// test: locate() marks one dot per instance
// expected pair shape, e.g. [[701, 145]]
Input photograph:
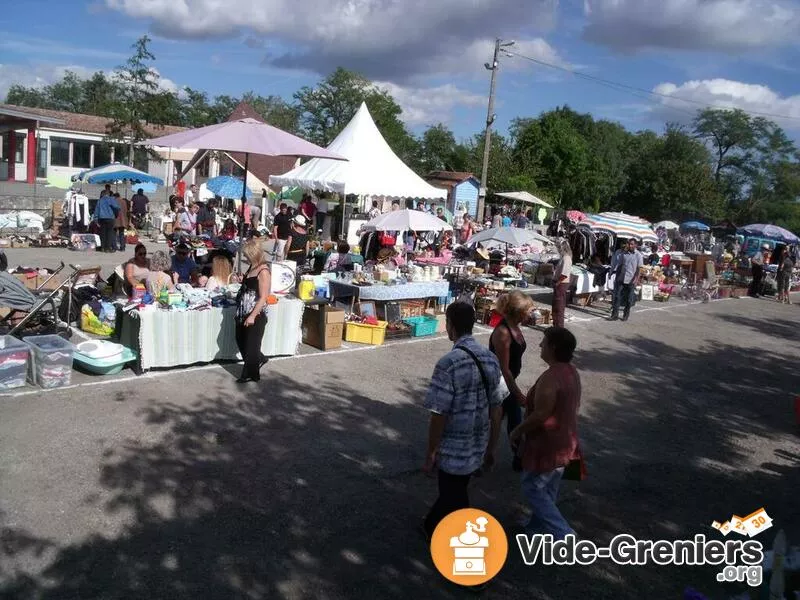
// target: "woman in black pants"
[[251, 311], [508, 344]]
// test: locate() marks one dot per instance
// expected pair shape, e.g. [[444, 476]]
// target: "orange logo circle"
[[469, 547]]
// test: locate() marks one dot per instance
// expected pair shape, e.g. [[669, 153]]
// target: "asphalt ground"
[[181, 484]]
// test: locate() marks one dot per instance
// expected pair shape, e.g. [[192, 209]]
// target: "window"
[[82, 154], [59, 152], [228, 167], [102, 154], [20, 157], [41, 158]]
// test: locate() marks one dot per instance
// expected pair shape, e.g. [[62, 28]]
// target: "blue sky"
[[430, 56]]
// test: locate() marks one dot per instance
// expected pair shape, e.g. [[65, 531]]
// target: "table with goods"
[[408, 302], [195, 325]]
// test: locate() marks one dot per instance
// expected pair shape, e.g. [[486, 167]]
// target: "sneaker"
[[613, 318]]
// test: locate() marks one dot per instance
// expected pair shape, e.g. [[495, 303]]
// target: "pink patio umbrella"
[[243, 135]]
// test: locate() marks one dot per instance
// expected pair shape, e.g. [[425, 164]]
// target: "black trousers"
[[758, 275], [248, 339], [107, 234], [453, 496]]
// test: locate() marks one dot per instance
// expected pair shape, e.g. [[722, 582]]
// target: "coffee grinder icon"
[[469, 549]]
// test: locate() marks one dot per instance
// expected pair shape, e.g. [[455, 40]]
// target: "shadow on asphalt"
[[224, 506]]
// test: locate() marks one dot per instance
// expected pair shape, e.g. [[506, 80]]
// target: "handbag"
[[576, 468]]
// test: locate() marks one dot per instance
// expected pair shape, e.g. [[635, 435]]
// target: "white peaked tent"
[[371, 167]]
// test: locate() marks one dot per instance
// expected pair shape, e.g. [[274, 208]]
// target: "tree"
[[439, 151], [754, 162], [138, 83], [671, 177], [326, 109]]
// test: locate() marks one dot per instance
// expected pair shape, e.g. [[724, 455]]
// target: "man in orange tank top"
[[549, 433]]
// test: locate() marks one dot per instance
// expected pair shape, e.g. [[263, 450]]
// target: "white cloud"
[[392, 40], [430, 105], [725, 93], [724, 25]]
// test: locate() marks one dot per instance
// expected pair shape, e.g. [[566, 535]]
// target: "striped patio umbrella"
[[621, 225]]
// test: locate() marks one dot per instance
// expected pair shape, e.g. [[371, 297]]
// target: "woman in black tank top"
[[508, 344]]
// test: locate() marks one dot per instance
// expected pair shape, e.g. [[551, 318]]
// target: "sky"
[[674, 56]]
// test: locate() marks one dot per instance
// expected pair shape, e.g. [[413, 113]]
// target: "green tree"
[[100, 95], [327, 108], [671, 177], [439, 151], [20, 95], [138, 83]]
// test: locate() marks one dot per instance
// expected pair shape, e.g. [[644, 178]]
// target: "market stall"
[[177, 337]]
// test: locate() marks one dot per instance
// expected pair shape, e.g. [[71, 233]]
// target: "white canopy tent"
[[525, 197], [371, 167]]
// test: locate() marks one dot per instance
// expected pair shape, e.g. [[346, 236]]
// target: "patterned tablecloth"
[[387, 293], [165, 338]]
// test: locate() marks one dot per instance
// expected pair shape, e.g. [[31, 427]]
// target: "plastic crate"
[[14, 357], [361, 333], [412, 308], [51, 360], [421, 326]]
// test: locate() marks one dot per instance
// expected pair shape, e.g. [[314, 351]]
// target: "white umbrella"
[[407, 220], [513, 236], [525, 197], [668, 225], [621, 225]]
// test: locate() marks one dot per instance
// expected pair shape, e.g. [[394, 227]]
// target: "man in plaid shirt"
[[466, 411]]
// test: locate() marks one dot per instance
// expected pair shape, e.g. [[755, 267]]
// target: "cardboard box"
[[323, 327]]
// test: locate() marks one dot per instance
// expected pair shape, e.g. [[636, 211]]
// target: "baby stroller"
[[36, 311]]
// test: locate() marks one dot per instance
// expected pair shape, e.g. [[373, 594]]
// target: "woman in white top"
[[561, 281], [221, 270]]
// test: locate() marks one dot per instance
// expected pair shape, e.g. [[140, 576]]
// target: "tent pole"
[[342, 203], [241, 221]]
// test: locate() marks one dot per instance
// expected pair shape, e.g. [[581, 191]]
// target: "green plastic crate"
[[422, 326]]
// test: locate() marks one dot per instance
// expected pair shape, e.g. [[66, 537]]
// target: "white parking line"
[[346, 348]]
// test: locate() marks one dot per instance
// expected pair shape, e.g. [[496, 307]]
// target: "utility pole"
[[490, 116]]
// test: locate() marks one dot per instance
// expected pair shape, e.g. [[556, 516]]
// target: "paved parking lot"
[[181, 484]]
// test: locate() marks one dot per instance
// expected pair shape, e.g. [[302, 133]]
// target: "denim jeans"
[[541, 492], [624, 296]]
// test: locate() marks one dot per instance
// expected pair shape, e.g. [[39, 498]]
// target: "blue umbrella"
[[772, 232], [115, 173], [695, 225], [226, 186]]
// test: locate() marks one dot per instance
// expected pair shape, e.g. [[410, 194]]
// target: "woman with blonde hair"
[[221, 270], [508, 344], [251, 311], [561, 282]]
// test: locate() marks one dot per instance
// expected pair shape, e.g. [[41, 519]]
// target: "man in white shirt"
[[191, 195], [626, 265], [757, 266]]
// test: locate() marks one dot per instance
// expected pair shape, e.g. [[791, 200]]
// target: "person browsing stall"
[[549, 434], [122, 222], [182, 265], [339, 259], [106, 213], [251, 311], [561, 282], [187, 220], [281, 229], [626, 264], [297, 245], [508, 344], [465, 414]]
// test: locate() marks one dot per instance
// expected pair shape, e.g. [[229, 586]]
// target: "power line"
[[629, 88]]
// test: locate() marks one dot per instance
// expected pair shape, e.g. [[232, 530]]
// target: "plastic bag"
[[91, 324]]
